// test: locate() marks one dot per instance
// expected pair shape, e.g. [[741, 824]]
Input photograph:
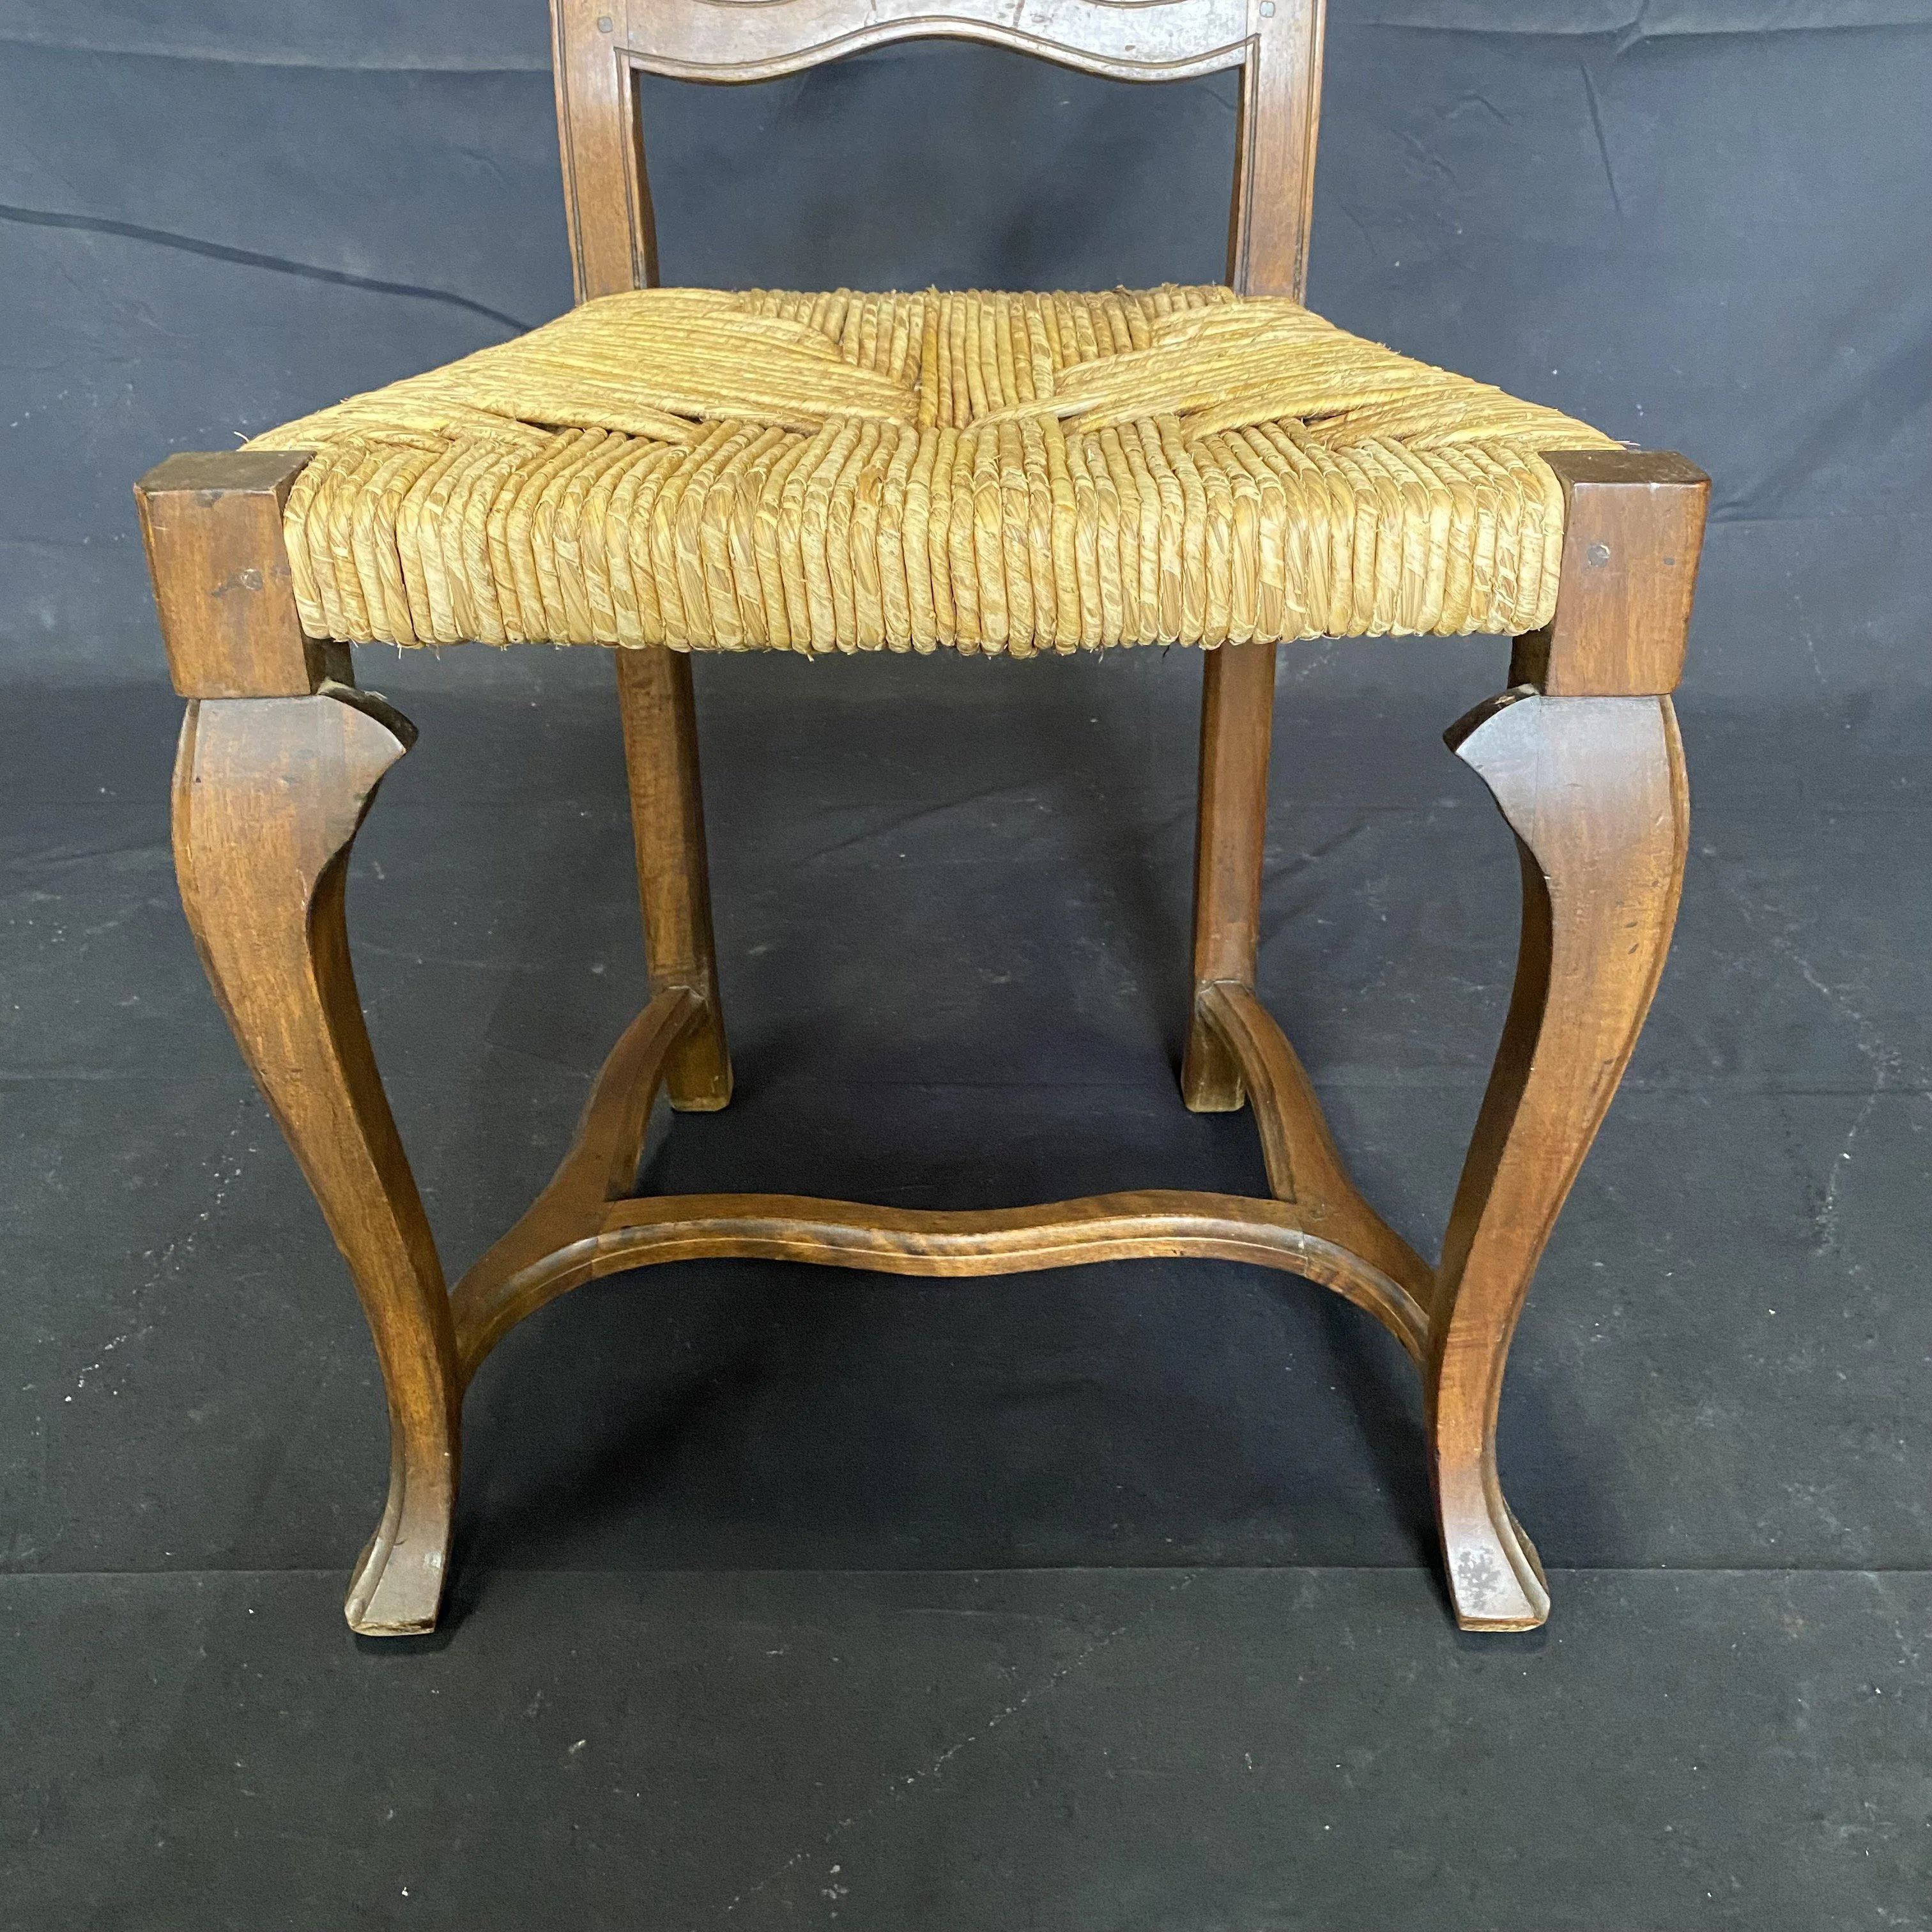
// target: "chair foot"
[[1210, 1081], [397, 1588], [711, 1098], [1495, 1576]]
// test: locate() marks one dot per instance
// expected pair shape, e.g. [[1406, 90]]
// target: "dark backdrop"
[[951, 907], [1700, 224]]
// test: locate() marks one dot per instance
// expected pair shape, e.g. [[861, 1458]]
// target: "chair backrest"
[[602, 46]]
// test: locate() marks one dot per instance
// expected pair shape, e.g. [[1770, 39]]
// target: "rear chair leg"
[[674, 881], [278, 762], [1582, 756], [1231, 833]]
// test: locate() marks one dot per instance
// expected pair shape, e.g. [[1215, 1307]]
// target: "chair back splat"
[[602, 46]]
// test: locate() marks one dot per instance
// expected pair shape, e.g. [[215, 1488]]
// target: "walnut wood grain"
[[1274, 150], [1170, 1223], [1595, 790], [1067, 1234], [212, 524], [1583, 756], [613, 233], [520, 1272], [1304, 1166], [1230, 833], [581, 1226], [674, 875], [600, 46], [729, 40], [1632, 531], [268, 793]]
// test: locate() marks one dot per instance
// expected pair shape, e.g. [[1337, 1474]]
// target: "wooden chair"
[[280, 755]]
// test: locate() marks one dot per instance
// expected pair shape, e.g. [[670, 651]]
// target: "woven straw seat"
[[993, 473]]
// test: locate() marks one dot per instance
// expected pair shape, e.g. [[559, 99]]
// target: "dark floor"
[[1102, 1601]]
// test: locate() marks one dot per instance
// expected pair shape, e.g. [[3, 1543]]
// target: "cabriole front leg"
[[1594, 789], [268, 793], [1582, 754]]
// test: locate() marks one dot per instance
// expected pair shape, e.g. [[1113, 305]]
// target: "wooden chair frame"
[[280, 756]]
